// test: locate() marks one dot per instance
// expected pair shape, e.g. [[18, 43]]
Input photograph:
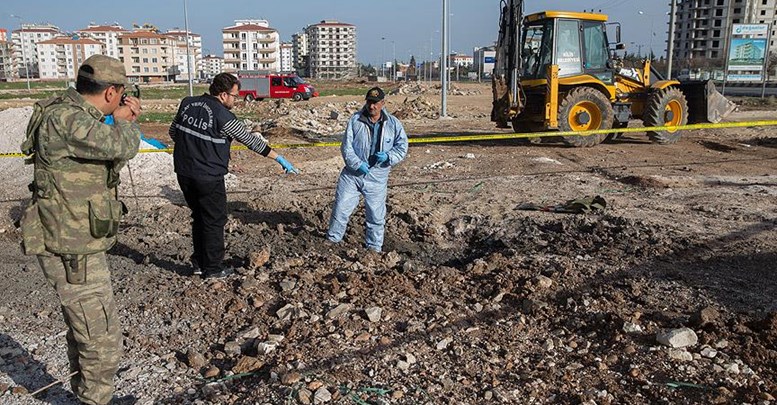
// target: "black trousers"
[[208, 201]]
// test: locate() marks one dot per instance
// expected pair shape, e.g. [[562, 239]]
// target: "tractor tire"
[[248, 98], [584, 109], [524, 127], [297, 97], [666, 107]]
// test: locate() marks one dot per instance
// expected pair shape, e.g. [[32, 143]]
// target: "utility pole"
[[444, 61], [670, 45], [188, 52]]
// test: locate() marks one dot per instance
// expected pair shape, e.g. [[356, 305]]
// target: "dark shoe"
[[196, 270], [224, 272], [124, 400]]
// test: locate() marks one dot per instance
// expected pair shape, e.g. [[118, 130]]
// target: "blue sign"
[[490, 59]]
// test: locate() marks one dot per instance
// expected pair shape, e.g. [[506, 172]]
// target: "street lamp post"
[[444, 61], [188, 52], [394, 61], [21, 45], [382, 56], [650, 49]]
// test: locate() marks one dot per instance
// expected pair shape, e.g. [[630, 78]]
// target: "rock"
[[288, 285], [709, 352], [251, 333], [705, 316], [680, 354], [339, 311], [767, 396], [211, 372], [443, 344], [732, 368], [373, 313], [232, 348], [333, 115], [397, 395], [315, 384], [543, 282], [265, 347], [289, 311], [247, 364], [258, 259], [195, 359], [19, 390], [290, 378], [322, 395], [304, 396], [210, 390], [403, 365], [631, 328], [677, 338]]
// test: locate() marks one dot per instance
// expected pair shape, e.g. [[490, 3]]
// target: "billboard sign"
[[750, 29], [747, 54]]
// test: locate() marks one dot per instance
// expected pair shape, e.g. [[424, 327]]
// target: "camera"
[[135, 93]]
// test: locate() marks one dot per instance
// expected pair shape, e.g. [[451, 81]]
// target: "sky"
[[384, 29]]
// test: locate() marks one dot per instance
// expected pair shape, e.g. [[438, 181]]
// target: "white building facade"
[[210, 66], [300, 52], [332, 47], [60, 57], [251, 45], [180, 53], [25, 42], [108, 35], [286, 52]]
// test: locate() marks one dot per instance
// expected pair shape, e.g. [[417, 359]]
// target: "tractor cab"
[[575, 42]]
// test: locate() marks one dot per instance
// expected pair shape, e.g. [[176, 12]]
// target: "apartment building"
[[286, 58], [108, 35], [459, 60], [60, 57], [180, 53], [332, 47], [300, 52], [703, 27], [251, 45], [7, 68], [210, 66], [148, 56], [483, 59], [25, 42]]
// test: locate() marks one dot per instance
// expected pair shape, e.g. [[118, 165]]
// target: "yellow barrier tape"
[[494, 137]]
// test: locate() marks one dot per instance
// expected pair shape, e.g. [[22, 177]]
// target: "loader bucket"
[[705, 103]]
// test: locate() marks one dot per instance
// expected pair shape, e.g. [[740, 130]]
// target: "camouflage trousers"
[[94, 344]]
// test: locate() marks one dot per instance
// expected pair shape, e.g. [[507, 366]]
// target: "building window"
[[145, 69]]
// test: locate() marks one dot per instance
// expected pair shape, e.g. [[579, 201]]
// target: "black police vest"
[[200, 149]]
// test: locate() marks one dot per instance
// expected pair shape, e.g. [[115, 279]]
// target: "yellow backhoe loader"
[[556, 70]]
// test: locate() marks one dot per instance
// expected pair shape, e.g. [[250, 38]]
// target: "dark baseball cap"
[[375, 94], [103, 69]]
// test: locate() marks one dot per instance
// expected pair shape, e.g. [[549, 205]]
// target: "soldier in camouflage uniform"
[[74, 214]]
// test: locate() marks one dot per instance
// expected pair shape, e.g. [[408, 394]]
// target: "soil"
[[473, 300]]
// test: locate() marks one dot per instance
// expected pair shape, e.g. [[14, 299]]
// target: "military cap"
[[103, 69], [375, 94]]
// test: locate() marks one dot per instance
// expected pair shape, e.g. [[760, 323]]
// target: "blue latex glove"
[[363, 169], [380, 158], [287, 167], [109, 119]]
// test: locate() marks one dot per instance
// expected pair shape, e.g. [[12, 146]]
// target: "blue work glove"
[[381, 157], [287, 167], [363, 169]]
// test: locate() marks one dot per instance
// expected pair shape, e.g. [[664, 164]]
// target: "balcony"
[[231, 40], [266, 60], [269, 49], [266, 39]]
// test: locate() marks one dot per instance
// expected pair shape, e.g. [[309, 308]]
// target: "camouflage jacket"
[[77, 159]]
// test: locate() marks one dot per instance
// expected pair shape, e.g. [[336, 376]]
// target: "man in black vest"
[[203, 130]]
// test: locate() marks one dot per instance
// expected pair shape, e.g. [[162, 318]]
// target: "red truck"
[[258, 85]]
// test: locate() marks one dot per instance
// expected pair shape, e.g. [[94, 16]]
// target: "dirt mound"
[[419, 107]]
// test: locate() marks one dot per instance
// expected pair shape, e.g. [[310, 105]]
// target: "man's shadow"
[[18, 364]]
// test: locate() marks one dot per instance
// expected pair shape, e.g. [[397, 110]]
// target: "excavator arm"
[[505, 81]]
